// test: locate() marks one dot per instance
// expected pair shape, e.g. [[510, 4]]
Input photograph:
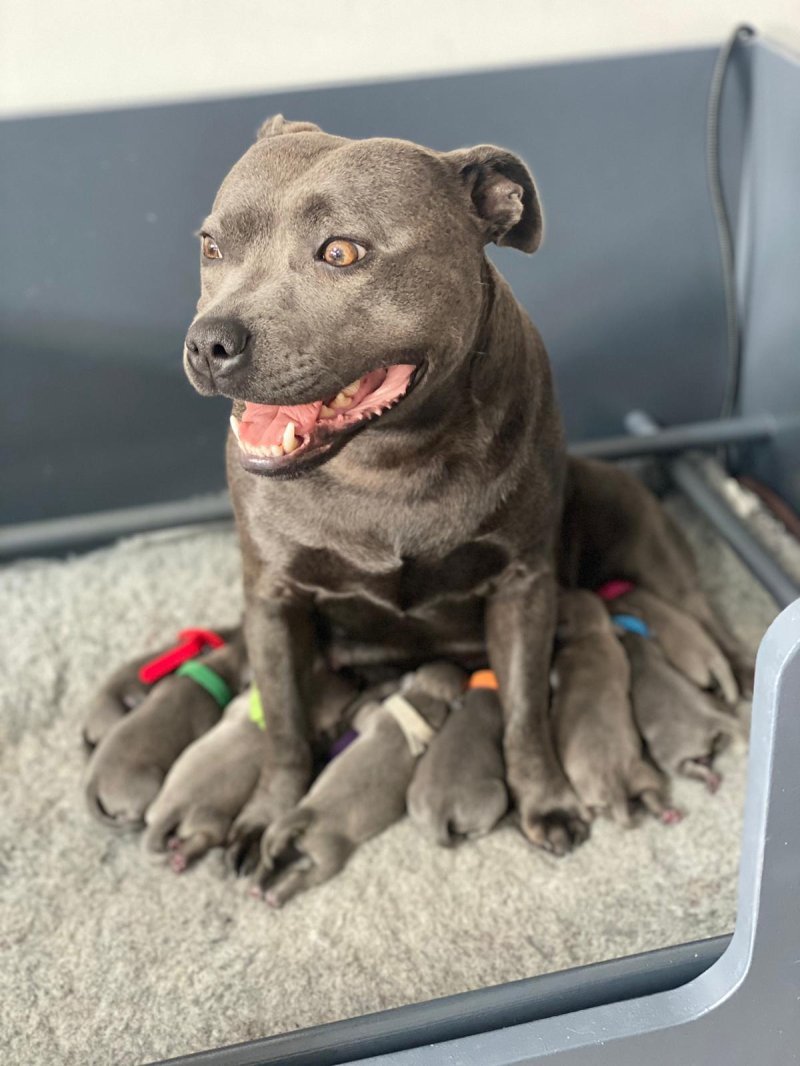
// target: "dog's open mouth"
[[282, 439]]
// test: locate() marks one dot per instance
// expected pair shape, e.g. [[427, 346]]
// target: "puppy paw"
[[245, 854], [297, 878], [120, 799], [243, 851], [616, 788], [458, 813]]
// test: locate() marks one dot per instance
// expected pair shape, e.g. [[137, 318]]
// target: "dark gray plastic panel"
[[770, 277], [100, 265]]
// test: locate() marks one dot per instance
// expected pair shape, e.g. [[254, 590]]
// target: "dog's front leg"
[[280, 643], [520, 626]]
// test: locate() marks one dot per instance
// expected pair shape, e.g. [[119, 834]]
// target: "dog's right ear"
[[277, 124]]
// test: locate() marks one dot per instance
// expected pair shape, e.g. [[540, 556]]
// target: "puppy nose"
[[217, 340]]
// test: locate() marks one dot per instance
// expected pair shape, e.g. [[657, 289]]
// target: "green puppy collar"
[[208, 679], [257, 708]]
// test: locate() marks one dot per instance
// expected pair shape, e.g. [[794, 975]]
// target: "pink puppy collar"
[[612, 590]]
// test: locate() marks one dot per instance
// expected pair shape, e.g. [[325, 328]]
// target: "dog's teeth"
[[290, 441], [341, 400], [352, 388], [326, 412], [235, 426], [275, 451]]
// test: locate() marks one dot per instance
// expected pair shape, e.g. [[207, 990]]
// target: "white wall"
[[75, 54]]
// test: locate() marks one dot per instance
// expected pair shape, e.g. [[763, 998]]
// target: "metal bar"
[[687, 476], [88, 530], [678, 438], [55, 535], [470, 1013]]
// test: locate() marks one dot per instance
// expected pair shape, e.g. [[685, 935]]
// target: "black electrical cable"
[[743, 32]]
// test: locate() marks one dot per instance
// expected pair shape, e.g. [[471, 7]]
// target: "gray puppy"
[[128, 767], [596, 736], [121, 692], [362, 791], [213, 778], [685, 643], [458, 789], [206, 788], [683, 727]]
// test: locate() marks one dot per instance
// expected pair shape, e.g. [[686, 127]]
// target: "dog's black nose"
[[218, 342]]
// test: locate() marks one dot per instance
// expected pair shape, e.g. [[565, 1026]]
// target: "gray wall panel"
[[770, 246]]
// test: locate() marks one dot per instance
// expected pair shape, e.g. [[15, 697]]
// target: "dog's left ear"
[[503, 195], [277, 124]]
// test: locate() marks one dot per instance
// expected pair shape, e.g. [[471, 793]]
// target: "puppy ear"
[[277, 124], [503, 195]]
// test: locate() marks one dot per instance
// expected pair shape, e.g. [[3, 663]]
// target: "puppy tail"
[[159, 829]]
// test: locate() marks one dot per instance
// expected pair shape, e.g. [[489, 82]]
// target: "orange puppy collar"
[[483, 679]]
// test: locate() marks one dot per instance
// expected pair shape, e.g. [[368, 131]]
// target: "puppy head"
[[440, 680], [581, 614], [343, 283]]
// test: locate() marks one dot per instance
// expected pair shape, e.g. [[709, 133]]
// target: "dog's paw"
[[554, 820]]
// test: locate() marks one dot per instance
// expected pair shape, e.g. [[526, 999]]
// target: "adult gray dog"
[[396, 459]]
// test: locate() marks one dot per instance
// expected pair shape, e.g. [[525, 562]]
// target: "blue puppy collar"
[[631, 624]]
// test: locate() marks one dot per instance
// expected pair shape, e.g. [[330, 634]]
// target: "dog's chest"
[[414, 587]]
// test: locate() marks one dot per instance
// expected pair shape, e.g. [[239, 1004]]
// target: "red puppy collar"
[[612, 590], [190, 643]]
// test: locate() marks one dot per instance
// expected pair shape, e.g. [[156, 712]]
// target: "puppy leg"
[[649, 788], [325, 856], [699, 769], [484, 810], [120, 799], [160, 829], [201, 830]]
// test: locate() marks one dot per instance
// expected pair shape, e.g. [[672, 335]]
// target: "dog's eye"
[[340, 252], [210, 247]]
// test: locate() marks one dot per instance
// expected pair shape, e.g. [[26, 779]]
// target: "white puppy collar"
[[415, 729]]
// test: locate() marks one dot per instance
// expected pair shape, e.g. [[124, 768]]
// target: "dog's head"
[[343, 280]]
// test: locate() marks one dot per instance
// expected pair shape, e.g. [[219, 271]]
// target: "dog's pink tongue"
[[263, 424]]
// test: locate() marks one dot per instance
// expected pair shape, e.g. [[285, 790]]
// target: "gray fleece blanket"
[[106, 959]]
